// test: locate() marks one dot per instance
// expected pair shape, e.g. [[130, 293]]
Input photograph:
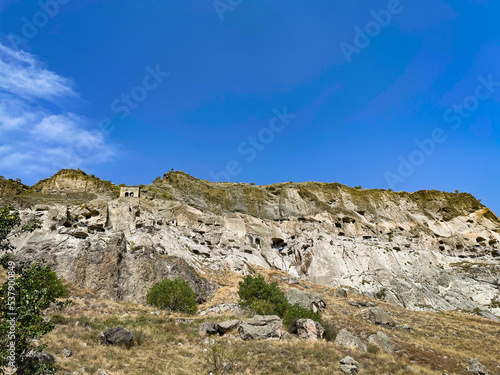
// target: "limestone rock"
[[477, 368], [228, 326], [208, 328], [116, 336], [382, 341], [348, 339], [379, 316], [308, 329], [349, 366], [307, 300], [261, 327]]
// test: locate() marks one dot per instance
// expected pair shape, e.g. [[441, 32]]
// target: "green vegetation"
[[174, 295], [381, 294], [30, 289], [263, 298], [268, 299], [359, 187]]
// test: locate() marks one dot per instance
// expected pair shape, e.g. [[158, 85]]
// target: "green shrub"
[[381, 294], [253, 289], [174, 295], [296, 311]]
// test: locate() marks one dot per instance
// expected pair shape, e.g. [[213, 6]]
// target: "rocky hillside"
[[427, 250]]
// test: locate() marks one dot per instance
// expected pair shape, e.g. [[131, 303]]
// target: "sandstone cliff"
[[424, 250]]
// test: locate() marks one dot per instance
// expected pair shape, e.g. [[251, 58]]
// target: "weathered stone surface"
[[382, 341], [341, 293], [308, 329], [228, 326], [208, 328], [67, 352], [307, 300], [350, 340], [321, 233], [361, 303], [261, 327], [116, 336], [378, 315], [477, 368], [349, 366]]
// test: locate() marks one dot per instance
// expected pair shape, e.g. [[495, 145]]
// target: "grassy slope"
[[438, 342]]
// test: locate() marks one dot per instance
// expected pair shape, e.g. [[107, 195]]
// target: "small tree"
[[30, 289], [174, 295], [262, 297]]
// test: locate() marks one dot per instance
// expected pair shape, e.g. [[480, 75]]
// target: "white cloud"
[[36, 139]]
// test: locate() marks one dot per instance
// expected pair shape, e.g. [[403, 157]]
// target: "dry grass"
[[438, 342]]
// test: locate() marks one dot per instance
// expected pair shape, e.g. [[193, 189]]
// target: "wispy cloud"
[[37, 134]]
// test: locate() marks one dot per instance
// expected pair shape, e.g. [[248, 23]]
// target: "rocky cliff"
[[425, 250]]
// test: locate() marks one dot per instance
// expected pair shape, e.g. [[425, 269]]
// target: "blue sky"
[[386, 94]]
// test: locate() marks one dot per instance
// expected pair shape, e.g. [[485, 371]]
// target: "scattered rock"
[[261, 327], [45, 357], [101, 372], [308, 329], [228, 326], [116, 336], [307, 300], [477, 368], [348, 339], [379, 316], [341, 293], [67, 352], [382, 341], [209, 341], [208, 328], [349, 366], [404, 327], [361, 303]]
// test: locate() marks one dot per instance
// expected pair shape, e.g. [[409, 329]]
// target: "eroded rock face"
[[426, 250]]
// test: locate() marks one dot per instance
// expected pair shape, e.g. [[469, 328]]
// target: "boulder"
[[261, 327], [382, 341], [379, 316], [228, 326], [208, 328], [341, 293], [349, 366], [349, 340], [308, 329], [67, 352], [307, 300], [360, 304], [116, 336], [477, 368]]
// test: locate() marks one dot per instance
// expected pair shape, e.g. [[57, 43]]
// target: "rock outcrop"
[[427, 250], [261, 327]]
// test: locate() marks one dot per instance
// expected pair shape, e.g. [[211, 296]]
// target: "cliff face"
[[423, 250]]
